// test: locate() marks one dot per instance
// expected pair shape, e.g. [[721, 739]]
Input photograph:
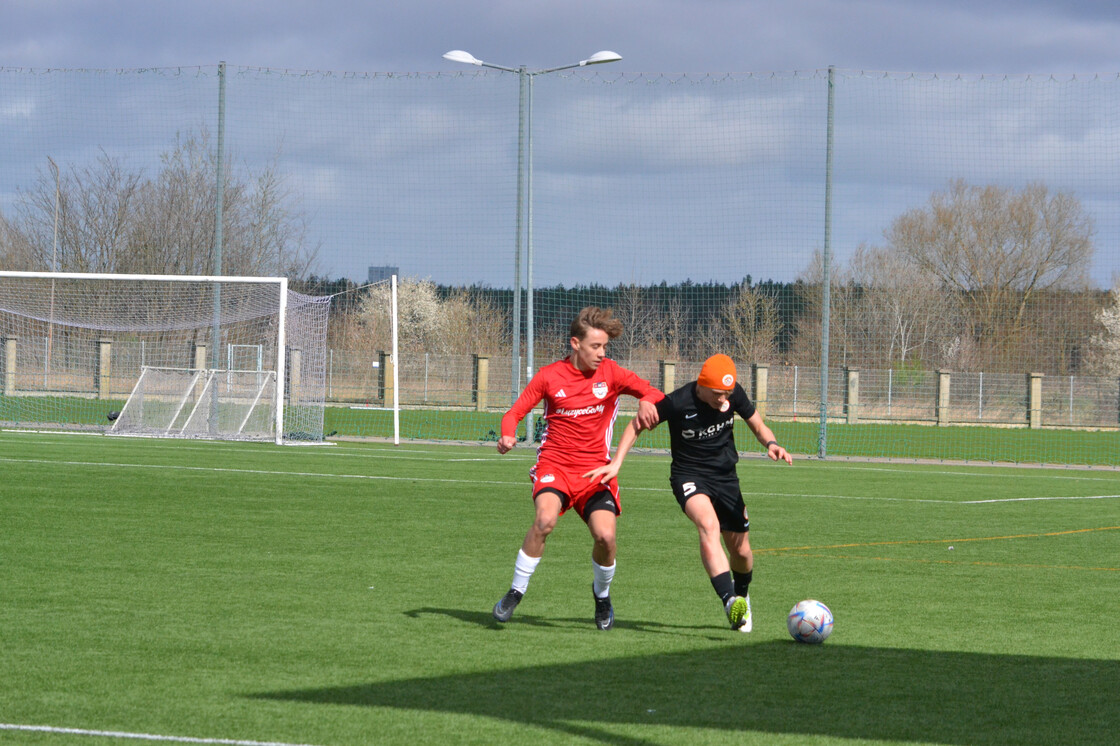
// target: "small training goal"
[[202, 403]]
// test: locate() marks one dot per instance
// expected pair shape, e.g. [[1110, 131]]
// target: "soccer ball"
[[809, 621]]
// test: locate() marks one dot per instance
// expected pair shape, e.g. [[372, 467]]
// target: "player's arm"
[[607, 472], [642, 390], [766, 437], [529, 398], [647, 414]]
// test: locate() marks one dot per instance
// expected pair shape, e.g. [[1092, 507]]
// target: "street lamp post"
[[525, 205]]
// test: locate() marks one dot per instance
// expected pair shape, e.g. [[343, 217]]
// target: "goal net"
[[216, 357], [222, 404]]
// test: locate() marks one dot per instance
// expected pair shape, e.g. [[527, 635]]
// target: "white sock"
[[603, 578], [523, 570]]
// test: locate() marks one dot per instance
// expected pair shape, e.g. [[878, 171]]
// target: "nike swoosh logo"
[[690, 416]]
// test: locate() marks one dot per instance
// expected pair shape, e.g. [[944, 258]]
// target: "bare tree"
[[16, 252], [670, 343], [175, 230], [996, 249], [640, 322], [806, 347], [475, 324], [116, 219], [96, 207], [273, 230], [1058, 329], [746, 328], [903, 314], [1105, 345]]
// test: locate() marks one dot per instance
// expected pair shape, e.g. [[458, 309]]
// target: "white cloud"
[[660, 161], [1011, 36]]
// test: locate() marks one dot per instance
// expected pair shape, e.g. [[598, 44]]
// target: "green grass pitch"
[[341, 595]]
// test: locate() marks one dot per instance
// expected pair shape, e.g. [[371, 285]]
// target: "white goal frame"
[[280, 370]]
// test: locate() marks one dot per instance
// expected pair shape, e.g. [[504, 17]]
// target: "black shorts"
[[724, 494]]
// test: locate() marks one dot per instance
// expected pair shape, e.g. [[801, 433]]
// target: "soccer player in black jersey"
[[701, 416]]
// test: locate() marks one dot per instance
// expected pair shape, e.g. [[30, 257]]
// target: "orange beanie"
[[718, 373]]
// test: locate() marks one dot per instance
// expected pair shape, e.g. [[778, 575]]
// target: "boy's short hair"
[[593, 317]]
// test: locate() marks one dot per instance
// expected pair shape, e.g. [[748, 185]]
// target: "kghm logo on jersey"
[[599, 388], [707, 432]]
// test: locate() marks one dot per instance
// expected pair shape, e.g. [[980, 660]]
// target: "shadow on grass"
[[486, 619], [778, 687]]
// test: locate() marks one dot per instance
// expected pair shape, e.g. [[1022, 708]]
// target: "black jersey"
[[702, 438]]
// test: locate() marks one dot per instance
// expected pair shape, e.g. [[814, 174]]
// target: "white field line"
[[139, 736], [395, 455], [342, 449], [268, 472], [519, 482], [50, 432], [933, 500], [856, 497], [1029, 499], [981, 471], [339, 451]]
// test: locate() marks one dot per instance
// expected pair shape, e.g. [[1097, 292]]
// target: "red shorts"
[[574, 489]]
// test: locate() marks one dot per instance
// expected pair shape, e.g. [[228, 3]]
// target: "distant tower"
[[378, 274]]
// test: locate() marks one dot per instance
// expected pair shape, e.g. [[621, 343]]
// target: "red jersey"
[[580, 408]]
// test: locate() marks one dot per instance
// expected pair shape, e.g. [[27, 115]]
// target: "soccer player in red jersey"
[[580, 394]]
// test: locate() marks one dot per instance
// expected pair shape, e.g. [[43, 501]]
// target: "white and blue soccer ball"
[[809, 621]]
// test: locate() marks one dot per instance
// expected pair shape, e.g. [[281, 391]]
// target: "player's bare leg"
[[739, 545], [700, 511], [603, 525], [548, 506]]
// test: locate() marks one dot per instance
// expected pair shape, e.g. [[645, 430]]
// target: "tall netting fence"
[[966, 229]]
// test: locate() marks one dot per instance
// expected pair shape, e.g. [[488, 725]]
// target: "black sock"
[[742, 582], [723, 586]]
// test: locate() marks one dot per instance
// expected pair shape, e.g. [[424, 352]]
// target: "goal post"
[[75, 347]]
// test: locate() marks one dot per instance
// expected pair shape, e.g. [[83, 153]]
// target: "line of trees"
[[897, 325], [979, 278]]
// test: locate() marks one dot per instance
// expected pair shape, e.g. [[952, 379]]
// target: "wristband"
[[771, 443]]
